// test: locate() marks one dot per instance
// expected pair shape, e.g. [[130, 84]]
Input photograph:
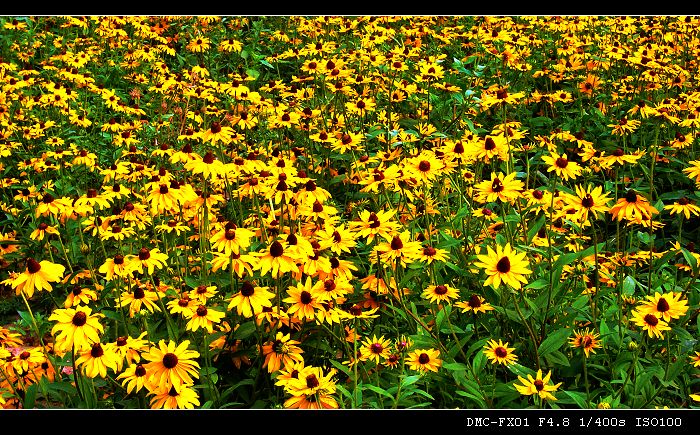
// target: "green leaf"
[[692, 262], [478, 363], [409, 380], [378, 390], [557, 358], [30, 396], [554, 341], [245, 330], [342, 367], [455, 367], [578, 398]]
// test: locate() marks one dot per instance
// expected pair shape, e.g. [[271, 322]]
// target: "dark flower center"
[[587, 201], [305, 297], [587, 341], [97, 350], [373, 220], [201, 311], [424, 166], [276, 249], [215, 127], [170, 360], [230, 234], [538, 194], [139, 293], [33, 266], [144, 254], [79, 318], [121, 341], [440, 289], [396, 243], [631, 196], [429, 251], [662, 305], [501, 352], [561, 162], [140, 370], [247, 289], [474, 301], [208, 158], [376, 348], [423, 358], [503, 265], [651, 320], [497, 185], [489, 144], [312, 381], [539, 385]]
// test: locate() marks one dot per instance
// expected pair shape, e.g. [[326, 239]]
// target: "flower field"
[[385, 212]]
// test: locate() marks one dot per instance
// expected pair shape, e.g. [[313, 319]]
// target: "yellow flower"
[[77, 328], [504, 265], [37, 276], [499, 352], [424, 360], [537, 385]]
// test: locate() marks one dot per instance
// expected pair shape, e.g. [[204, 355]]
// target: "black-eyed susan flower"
[[499, 352], [695, 359], [430, 254], [171, 364], [486, 149], [140, 299], [202, 293], [42, 230], [475, 304], [683, 206], [203, 317], [654, 326], [424, 360], [632, 207], [251, 299], [75, 328], [371, 224], [79, 295], [96, 360], [274, 260], [666, 306], [589, 202], [587, 340], [537, 385], [400, 249], [134, 378], [562, 166], [26, 359], [440, 293], [375, 349], [312, 389], [500, 187], [281, 352], [504, 265], [37, 276], [115, 266], [128, 349], [176, 396], [147, 260], [208, 166], [231, 239], [303, 300]]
